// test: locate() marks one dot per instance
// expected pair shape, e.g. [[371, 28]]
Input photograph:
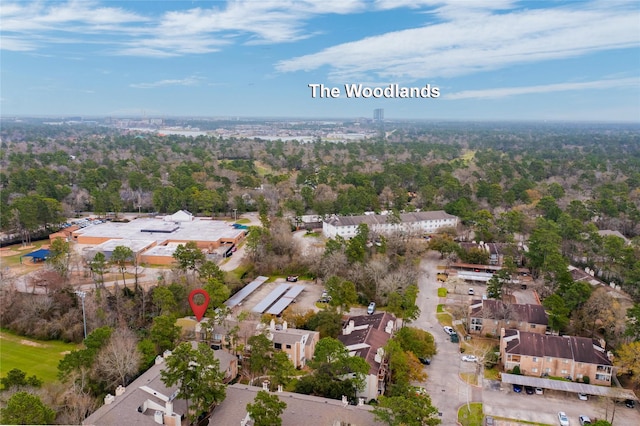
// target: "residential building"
[[418, 223], [301, 409], [543, 355], [147, 401], [365, 336], [299, 345], [488, 317]]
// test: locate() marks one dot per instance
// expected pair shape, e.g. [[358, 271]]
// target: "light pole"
[[235, 214], [82, 295]]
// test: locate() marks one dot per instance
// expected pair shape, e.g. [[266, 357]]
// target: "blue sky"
[[491, 59]]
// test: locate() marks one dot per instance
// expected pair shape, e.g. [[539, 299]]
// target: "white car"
[[563, 419], [449, 330], [469, 358], [584, 420], [583, 397]]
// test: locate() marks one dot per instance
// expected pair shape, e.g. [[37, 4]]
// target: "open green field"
[[37, 357]]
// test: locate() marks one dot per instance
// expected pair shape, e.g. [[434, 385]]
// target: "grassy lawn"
[[471, 415], [440, 308], [491, 373], [470, 378], [37, 357], [17, 250], [444, 319], [442, 292]]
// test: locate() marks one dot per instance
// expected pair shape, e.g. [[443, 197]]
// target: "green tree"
[[415, 340], [403, 303], [409, 410], [98, 267], [24, 408], [343, 293], [164, 300], [189, 257], [261, 352], [197, 373], [59, 256], [266, 409], [18, 378], [164, 332], [558, 312], [633, 322], [120, 256]]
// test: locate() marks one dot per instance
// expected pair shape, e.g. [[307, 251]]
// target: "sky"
[[488, 59]]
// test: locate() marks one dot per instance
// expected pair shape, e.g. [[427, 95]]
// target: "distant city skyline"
[[418, 59]]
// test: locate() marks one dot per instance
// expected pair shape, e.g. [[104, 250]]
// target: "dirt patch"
[[30, 343]]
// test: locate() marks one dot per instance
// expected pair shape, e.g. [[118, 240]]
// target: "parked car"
[[454, 338], [539, 391], [584, 420], [471, 291], [292, 278], [563, 419], [529, 390], [425, 360], [630, 403], [469, 358], [372, 308], [448, 330], [517, 388], [488, 421], [583, 397]]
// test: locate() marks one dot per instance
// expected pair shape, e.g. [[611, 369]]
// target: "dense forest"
[[565, 180]]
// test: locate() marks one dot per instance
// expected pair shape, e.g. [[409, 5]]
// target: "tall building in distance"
[[378, 115]]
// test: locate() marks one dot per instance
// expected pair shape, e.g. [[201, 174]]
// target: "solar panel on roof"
[[246, 291], [286, 300], [271, 297]]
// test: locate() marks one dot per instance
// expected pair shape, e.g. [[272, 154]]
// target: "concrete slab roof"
[[200, 229]]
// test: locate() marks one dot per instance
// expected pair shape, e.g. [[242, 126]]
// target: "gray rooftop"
[[200, 229], [301, 409]]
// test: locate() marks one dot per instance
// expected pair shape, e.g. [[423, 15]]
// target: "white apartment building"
[[418, 223]]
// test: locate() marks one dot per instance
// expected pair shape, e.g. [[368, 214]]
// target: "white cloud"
[[504, 92], [476, 42], [189, 81]]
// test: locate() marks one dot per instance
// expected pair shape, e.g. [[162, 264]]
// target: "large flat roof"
[[199, 229]]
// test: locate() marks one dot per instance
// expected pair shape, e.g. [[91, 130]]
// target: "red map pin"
[[198, 310]]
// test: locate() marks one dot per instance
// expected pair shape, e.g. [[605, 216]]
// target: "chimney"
[[279, 388], [265, 385], [284, 325], [159, 360], [272, 324], [349, 328], [120, 390], [108, 399]]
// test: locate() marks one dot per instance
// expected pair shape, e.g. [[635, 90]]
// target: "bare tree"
[[119, 360]]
